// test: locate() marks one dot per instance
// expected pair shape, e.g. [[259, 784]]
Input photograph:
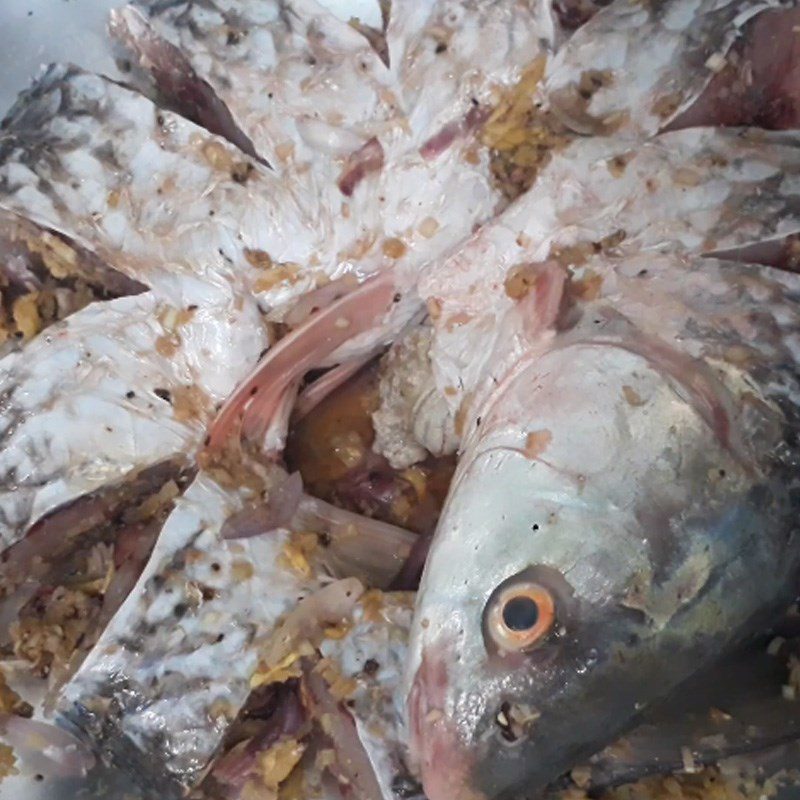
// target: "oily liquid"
[[332, 449]]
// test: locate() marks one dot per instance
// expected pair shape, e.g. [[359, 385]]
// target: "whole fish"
[[624, 512], [391, 185]]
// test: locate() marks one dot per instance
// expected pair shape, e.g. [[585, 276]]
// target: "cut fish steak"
[[173, 668], [115, 388]]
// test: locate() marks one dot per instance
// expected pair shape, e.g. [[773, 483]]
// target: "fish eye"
[[519, 615]]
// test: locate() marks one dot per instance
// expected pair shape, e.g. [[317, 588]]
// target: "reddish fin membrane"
[[758, 80], [256, 402], [782, 254], [175, 78]]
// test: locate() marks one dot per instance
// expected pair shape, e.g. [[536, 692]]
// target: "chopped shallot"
[[276, 512]]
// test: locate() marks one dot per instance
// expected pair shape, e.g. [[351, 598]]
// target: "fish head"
[[600, 543]]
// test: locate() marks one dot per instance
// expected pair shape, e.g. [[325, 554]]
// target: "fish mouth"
[[443, 761]]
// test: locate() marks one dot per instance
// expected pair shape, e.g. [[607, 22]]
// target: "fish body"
[[115, 388], [623, 513], [701, 190], [632, 71], [203, 226], [265, 198], [171, 671], [438, 61]]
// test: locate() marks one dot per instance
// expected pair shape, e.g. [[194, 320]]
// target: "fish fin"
[[735, 708], [353, 767], [44, 253], [55, 534], [359, 546], [257, 400], [175, 78], [781, 253], [411, 572], [757, 82]]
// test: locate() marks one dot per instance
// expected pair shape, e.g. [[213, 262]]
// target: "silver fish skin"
[[635, 69], [450, 55], [160, 689], [635, 477], [373, 653]]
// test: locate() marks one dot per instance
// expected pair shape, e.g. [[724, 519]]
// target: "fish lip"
[[442, 760]]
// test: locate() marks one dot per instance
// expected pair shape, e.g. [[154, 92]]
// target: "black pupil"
[[520, 614]]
